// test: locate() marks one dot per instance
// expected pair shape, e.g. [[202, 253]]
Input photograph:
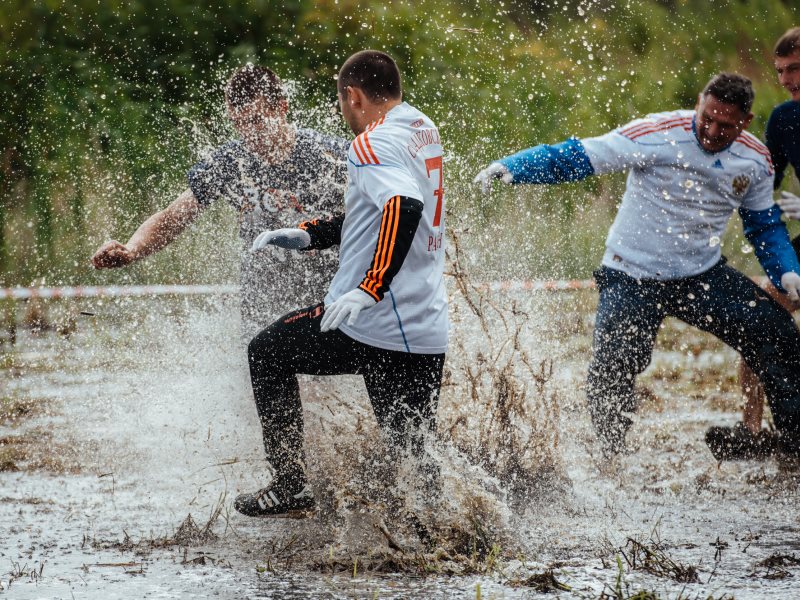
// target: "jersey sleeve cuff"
[[371, 294]]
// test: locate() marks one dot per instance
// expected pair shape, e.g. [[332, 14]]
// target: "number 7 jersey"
[[399, 156]]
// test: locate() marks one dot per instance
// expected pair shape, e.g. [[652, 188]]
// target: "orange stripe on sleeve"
[[388, 241], [362, 150], [370, 279], [754, 145], [383, 253], [646, 124], [389, 249], [307, 224], [371, 152], [370, 292], [388, 244], [374, 124], [360, 154], [628, 130]]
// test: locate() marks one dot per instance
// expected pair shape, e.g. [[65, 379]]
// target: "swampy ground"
[[125, 437]]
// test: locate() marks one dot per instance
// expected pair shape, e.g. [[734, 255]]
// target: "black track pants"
[[720, 301], [403, 387]]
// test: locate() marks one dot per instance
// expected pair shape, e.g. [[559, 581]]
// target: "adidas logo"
[[268, 500], [717, 164]]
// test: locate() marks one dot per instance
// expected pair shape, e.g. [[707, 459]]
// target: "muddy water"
[[147, 418]]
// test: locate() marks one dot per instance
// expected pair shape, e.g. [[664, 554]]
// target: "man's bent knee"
[[262, 348]]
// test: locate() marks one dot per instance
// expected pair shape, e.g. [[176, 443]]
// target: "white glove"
[[490, 173], [352, 303], [790, 205], [791, 283], [293, 239]]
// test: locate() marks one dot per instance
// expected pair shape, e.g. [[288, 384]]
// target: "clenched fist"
[[112, 254]]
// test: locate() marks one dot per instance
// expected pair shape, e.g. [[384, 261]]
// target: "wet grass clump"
[[659, 564], [22, 572], [188, 534], [780, 560], [29, 450], [775, 567], [543, 583], [651, 557], [404, 540], [10, 456], [13, 411], [36, 450]]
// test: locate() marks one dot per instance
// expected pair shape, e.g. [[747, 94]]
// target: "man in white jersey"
[[385, 314], [687, 172]]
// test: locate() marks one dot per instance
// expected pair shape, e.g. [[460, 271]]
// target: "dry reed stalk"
[[497, 407]]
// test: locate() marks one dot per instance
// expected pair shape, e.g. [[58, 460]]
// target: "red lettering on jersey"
[[422, 138], [434, 242], [435, 164]]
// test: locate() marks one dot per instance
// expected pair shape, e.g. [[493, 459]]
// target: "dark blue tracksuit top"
[[783, 138]]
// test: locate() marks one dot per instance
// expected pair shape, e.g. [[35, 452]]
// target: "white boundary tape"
[[553, 285], [118, 291], [20, 293], [114, 291]]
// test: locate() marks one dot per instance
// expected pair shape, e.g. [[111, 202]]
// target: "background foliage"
[[105, 105]]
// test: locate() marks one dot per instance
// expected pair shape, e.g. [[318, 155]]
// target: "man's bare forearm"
[[164, 226]]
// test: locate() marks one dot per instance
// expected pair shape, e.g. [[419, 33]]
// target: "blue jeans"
[[721, 301]]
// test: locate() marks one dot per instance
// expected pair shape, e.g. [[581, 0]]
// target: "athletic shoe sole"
[[300, 513]]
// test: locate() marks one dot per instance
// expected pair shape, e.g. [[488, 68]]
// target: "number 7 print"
[[434, 164]]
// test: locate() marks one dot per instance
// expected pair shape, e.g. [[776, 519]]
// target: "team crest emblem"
[[740, 184]]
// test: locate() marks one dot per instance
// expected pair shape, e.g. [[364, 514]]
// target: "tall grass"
[[107, 105]]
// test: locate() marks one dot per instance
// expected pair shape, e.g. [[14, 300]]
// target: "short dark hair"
[[374, 72], [788, 43], [251, 82], [731, 88]]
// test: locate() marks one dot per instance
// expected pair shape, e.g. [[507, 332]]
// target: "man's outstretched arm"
[[770, 239], [575, 159], [324, 233], [316, 234], [559, 163], [155, 233]]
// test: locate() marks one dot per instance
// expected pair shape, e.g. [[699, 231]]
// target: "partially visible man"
[[385, 314], [747, 440], [688, 172], [274, 174]]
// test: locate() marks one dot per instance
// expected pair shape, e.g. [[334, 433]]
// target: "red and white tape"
[[20, 293], [552, 285], [114, 291]]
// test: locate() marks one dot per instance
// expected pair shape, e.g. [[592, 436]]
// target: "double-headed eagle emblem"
[[740, 184]]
